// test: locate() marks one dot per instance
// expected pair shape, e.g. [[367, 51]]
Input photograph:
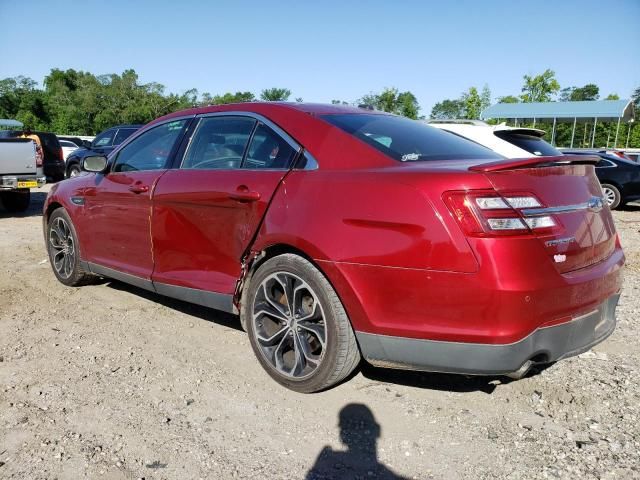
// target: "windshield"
[[408, 140]]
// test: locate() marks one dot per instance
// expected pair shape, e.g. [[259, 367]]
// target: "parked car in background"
[[75, 140], [619, 177], [511, 142], [20, 170], [103, 144], [338, 232], [67, 147], [53, 161]]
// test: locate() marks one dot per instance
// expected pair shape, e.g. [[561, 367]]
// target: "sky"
[[329, 49]]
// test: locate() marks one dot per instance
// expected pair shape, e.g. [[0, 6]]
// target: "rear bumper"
[[543, 345], [10, 182]]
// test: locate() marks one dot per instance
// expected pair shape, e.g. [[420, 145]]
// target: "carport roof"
[[601, 109]]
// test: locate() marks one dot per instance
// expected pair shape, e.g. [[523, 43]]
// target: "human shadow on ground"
[[359, 432]]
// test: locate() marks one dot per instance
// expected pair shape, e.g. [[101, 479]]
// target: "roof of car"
[[265, 107]]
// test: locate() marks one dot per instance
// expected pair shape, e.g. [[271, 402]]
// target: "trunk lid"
[[569, 191]]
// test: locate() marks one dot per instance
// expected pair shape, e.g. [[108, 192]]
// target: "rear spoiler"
[[512, 164]]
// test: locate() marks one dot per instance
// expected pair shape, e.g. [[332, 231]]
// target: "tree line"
[[81, 103], [546, 88]]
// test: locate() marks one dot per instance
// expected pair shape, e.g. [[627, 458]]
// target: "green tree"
[[392, 101], [275, 94], [540, 88], [508, 99], [472, 103], [613, 96], [485, 98], [635, 98], [238, 97], [448, 110]]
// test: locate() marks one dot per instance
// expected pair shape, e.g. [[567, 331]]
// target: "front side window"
[[150, 150], [122, 135], [219, 143], [408, 140], [268, 150], [104, 139]]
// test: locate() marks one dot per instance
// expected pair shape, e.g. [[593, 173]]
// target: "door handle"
[[243, 194], [139, 188]]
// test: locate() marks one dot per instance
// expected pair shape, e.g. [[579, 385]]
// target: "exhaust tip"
[[522, 371]]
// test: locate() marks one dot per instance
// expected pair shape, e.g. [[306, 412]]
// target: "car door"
[[118, 206], [206, 211]]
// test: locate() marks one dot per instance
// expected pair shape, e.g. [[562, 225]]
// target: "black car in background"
[[620, 178], [53, 160], [103, 144]]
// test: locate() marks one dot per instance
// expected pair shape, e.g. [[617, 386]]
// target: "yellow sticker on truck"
[[27, 184]]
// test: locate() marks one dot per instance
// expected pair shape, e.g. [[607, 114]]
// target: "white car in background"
[[510, 142], [67, 148]]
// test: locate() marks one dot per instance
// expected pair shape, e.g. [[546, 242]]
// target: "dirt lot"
[[108, 381]]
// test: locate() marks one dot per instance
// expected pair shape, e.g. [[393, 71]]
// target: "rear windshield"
[[531, 144], [408, 140]]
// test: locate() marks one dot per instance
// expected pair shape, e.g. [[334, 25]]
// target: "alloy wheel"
[[289, 324], [609, 195], [63, 252]]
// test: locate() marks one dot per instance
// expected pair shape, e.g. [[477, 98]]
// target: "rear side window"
[[408, 140], [219, 143], [268, 150], [122, 135], [531, 144]]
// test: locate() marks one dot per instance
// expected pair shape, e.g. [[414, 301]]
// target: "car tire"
[[64, 252], [73, 170], [306, 345], [16, 201], [611, 195]]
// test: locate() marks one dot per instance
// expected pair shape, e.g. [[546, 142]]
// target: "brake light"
[[38, 156], [61, 154], [485, 213]]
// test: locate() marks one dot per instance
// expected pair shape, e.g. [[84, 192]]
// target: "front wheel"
[[64, 254], [611, 195], [297, 326]]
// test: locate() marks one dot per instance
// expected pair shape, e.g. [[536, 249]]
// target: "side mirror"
[[95, 163]]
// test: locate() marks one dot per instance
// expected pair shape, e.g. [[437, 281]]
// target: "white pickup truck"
[[20, 170]]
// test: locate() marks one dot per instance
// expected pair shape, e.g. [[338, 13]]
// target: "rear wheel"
[[16, 200], [298, 328], [62, 246], [611, 195]]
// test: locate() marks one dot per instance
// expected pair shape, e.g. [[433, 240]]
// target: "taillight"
[[61, 154], [38, 156], [483, 213]]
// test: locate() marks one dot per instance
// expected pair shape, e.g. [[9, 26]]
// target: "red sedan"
[[339, 233]]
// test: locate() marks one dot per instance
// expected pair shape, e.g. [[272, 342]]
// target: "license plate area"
[[27, 184]]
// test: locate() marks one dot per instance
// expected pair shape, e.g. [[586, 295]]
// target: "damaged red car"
[[339, 233]]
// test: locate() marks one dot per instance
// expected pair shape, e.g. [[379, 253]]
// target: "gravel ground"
[[108, 381]]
